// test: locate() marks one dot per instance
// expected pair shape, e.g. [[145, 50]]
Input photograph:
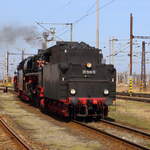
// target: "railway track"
[[141, 97], [15, 138], [132, 98], [130, 129], [120, 141], [144, 95]]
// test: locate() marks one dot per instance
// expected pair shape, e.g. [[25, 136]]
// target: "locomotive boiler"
[[68, 79]]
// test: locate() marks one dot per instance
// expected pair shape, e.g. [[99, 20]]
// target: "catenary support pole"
[[131, 42], [97, 24]]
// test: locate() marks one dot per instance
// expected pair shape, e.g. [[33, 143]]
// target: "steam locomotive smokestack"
[[45, 37], [44, 45]]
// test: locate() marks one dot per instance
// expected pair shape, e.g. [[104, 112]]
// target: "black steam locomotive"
[[68, 79]]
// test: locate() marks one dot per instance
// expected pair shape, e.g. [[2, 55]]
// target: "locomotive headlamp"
[[73, 91], [106, 92], [89, 65]]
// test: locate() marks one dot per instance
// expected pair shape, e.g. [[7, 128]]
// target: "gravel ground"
[[41, 133]]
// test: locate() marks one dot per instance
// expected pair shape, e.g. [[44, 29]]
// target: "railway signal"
[[130, 86]]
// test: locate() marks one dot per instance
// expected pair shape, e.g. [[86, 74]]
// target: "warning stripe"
[[130, 86]]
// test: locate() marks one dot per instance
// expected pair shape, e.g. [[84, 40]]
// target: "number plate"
[[88, 71]]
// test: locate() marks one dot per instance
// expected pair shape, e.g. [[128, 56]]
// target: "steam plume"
[[10, 34]]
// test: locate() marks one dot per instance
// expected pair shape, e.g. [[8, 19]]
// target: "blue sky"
[[114, 19]]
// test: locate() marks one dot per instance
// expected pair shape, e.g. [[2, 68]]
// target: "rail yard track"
[[14, 137], [127, 128], [141, 97], [146, 95], [113, 138]]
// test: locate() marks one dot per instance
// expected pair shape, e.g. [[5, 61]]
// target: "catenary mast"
[[97, 23]]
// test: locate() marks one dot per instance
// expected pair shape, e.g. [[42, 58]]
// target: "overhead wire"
[[91, 7], [68, 3], [88, 14], [62, 33]]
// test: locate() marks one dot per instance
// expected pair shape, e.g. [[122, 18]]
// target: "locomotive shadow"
[[84, 120], [54, 116], [110, 119], [89, 120], [58, 118]]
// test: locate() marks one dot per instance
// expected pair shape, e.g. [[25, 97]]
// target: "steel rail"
[[126, 127], [137, 146], [15, 135], [132, 98], [143, 95]]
